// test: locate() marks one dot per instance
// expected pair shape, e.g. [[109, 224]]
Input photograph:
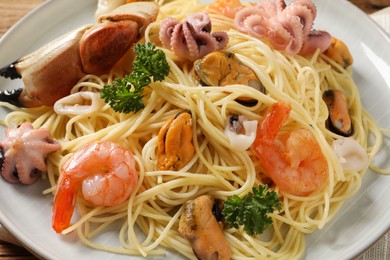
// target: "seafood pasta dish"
[[219, 130]]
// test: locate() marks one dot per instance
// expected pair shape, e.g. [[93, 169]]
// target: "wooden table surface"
[[12, 10]]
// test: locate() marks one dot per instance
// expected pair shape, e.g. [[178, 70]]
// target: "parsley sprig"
[[252, 210], [126, 95]]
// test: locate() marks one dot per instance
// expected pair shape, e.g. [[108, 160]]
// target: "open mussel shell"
[[221, 68], [339, 121]]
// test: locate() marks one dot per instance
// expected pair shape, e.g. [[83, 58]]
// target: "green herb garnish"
[[252, 210], [150, 65]]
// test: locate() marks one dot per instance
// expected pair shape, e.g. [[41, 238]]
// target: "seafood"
[[74, 103], [241, 132], [224, 68], [287, 26], [350, 153], [225, 7], [202, 229], [339, 120], [175, 147], [50, 72], [23, 153], [339, 52], [294, 161], [104, 172], [191, 39]]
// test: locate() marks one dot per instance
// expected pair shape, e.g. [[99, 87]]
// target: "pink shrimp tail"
[[293, 160], [273, 121], [64, 203], [264, 146]]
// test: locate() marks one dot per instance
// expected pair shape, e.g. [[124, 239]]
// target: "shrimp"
[[294, 160], [103, 171], [228, 8]]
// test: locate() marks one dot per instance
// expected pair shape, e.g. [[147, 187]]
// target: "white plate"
[[362, 220]]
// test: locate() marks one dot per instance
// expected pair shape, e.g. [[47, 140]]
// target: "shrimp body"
[[103, 171], [294, 160], [228, 8]]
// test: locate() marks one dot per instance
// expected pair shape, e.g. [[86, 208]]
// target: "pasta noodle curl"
[[217, 168]]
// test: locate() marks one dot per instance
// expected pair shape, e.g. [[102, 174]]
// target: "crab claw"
[[104, 44], [96, 51], [49, 73], [10, 71], [11, 96]]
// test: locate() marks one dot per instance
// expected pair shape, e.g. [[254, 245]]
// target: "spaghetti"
[[217, 168]]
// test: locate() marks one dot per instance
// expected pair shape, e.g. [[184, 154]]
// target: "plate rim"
[[48, 4]]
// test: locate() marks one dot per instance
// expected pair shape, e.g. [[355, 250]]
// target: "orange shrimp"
[[294, 160], [225, 7], [103, 171]]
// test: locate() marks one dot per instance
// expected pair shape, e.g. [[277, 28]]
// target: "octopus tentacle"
[[167, 26], [304, 15], [293, 26], [278, 36], [29, 171], [192, 44], [8, 172], [178, 43], [258, 26], [23, 153], [191, 39], [241, 16], [206, 44], [221, 38], [306, 3], [181, 43], [38, 162], [287, 26], [200, 21]]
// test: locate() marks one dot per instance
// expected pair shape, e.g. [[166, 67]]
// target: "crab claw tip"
[[11, 96], [10, 71]]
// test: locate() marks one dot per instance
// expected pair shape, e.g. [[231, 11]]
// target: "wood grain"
[[12, 10], [10, 251], [370, 6]]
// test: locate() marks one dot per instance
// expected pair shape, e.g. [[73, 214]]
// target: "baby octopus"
[[23, 153], [287, 27], [191, 39]]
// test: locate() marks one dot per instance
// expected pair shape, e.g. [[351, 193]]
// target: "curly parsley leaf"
[[252, 210], [126, 95]]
